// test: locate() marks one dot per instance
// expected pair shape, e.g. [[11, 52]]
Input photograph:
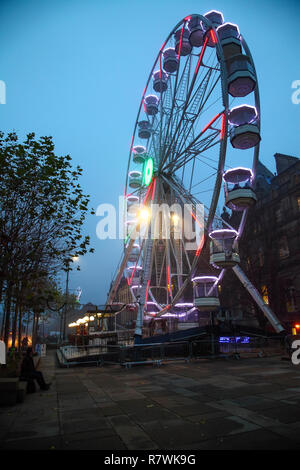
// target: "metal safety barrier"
[[158, 353]]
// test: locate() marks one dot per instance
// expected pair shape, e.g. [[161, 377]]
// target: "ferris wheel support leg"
[[138, 334], [142, 300], [258, 299]]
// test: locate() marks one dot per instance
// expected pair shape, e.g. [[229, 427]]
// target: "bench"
[[12, 391]]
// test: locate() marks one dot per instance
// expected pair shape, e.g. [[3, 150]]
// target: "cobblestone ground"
[[221, 404]]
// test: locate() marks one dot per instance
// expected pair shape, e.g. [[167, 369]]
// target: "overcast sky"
[[76, 69]]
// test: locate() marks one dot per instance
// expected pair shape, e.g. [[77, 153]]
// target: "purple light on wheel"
[[243, 114], [228, 30], [138, 268], [238, 175], [132, 198], [160, 74], [204, 279], [135, 174], [139, 149], [184, 304], [176, 315], [216, 17], [151, 99], [223, 234]]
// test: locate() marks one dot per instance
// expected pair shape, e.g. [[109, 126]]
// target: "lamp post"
[[74, 260]]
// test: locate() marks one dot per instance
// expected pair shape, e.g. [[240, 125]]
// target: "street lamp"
[[75, 259]]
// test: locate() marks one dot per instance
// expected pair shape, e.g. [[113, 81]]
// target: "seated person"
[[29, 372]]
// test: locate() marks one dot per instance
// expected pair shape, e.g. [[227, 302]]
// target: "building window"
[[285, 204], [298, 202], [265, 295], [278, 215], [260, 257], [290, 303], [290, 296], [284, 251]]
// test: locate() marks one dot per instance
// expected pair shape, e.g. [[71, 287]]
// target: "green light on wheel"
[[148, 171]]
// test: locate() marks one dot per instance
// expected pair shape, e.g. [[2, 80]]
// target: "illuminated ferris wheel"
[[197, 129]]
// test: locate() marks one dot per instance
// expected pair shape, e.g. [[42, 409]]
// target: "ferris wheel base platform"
[[182, 335], [203, 332]]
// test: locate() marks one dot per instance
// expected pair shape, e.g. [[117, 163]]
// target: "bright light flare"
[[175, 219], [144, 215]]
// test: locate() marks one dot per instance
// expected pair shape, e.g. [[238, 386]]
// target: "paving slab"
[[39, 443], [83, 425], [260, 439], [94, 443], [131, 434], [283, 413]]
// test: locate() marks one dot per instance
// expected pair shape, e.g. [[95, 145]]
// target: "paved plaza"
[[251, 403]]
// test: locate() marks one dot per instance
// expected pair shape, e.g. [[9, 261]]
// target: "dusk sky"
[[76, 70]]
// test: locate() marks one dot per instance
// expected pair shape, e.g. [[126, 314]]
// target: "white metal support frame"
[[142, 299], [258, 299]]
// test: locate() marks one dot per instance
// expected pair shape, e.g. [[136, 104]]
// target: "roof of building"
[[262, 170], [283, 162]]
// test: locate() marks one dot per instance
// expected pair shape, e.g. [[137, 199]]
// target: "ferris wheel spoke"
[[186, 256], [160, 262], [175, 84], [187, 101], [188, 93], [191, 198], [194, 108], [213, 160], [208, 126], [201, 161], [205, 144], [176, 251], [180, 102], [168, 271], [185, 134], [204, 179], [187, 198]]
